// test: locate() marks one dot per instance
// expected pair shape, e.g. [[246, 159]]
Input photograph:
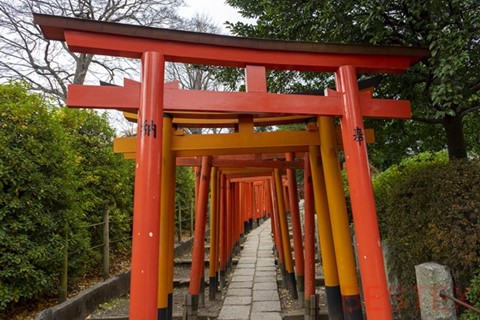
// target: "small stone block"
[[235, 312], [239, 292], [259, 273], [266, 306], [270, 268], [264, 295], [242, 278], [250, 266], [241, 285], [237, 300], [265, 316], [249, 254], [265, 286], [269, 279], [243, 272]]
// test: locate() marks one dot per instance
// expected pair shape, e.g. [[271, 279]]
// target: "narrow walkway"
[[253, 292]]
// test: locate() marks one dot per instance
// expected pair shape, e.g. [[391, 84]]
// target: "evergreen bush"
[[58, 174], [429, 210]]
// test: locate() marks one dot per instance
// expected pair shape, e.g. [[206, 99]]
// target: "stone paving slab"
[[266, 306], [236, 278], [265, 268], [265, 286], [266, 316], [240, 285], [269, 279], [237, 300], [239, 292], [262, 273], [235, 312], [250, 266], [245, 272], [265, 295]]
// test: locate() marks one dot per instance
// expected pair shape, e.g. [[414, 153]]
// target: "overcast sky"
[[218, 10]]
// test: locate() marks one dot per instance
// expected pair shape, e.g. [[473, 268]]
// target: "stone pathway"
[[253, 292]]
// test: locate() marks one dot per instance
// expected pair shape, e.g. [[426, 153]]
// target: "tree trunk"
[[457, 147]]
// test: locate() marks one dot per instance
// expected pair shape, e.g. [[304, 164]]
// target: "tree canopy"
[[443, 89]]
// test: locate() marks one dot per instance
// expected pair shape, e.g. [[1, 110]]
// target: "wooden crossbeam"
[[127, 98]]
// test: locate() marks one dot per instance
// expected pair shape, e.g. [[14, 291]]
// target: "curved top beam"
[[131, 41]]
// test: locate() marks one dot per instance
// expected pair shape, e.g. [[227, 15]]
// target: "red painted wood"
[[375, 290], [198, 250], [195, 53], [146, 215]]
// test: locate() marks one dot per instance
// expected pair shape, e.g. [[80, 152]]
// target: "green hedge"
[[429, 210]]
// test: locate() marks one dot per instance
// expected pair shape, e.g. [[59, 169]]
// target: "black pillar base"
[[212, 288], [334, 302], [191, 307], [352, 307]]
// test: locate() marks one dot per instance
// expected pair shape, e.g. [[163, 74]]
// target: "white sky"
[[218, 10]]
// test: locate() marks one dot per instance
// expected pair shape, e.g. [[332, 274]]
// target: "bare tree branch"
[[49, 66]]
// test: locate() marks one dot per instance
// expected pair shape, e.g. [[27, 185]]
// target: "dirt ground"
[[210, 309]]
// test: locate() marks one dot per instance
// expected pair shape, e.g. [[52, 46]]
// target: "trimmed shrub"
[[429, 210]]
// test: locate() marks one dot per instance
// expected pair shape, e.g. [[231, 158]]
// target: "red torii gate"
[[155, 46]]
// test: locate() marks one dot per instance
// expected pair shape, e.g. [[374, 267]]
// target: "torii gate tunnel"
[[151, 99]]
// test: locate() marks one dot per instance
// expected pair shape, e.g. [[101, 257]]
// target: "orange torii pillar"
[[259, 200], [342, 240], [252, 212], [223, 230], [330, 272], [286, 193], [229, 224], [296, 228], [309, 228], [214, 226], [167, 221], [236, 217], [276, 229], [285, 236], [198, 250], [267, 198]]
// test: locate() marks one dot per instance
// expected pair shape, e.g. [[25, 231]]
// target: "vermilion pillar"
[[146, 217], [287, 249], [297, 230], [171, 245], [198, 251], [309, 227], [375, 290], [229, 222], [277, 234], [223, 230], [212, 287]]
